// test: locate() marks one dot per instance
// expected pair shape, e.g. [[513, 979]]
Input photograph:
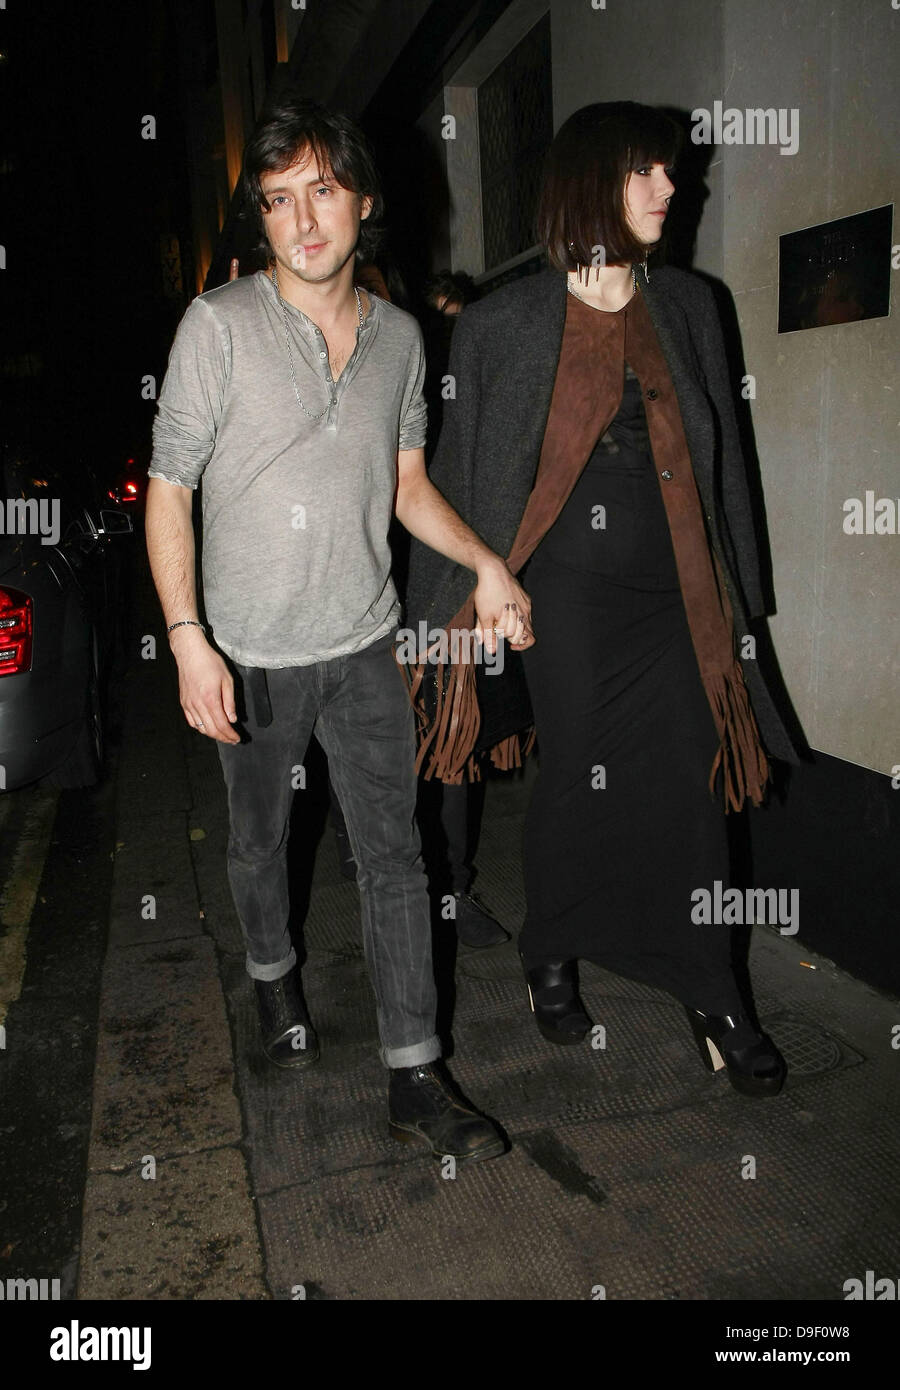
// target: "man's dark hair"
[[582, 199], [291, 125]]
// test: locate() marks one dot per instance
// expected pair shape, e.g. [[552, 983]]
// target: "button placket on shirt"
[[336, 389], [330, 419]]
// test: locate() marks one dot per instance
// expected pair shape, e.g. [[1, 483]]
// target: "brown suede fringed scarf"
[[586, 397]]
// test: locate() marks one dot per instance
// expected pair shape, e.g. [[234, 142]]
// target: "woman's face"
[[646, 191]]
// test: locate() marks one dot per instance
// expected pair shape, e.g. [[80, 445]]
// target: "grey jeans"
[[360, 710]]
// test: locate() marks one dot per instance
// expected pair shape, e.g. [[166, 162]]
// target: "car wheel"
[[83, 767]]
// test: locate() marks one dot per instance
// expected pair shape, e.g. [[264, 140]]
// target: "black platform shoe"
[[288, 1037], [424, 1104], [755, 1066], [555, 1003]]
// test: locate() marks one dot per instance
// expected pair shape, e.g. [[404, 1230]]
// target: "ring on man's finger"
[[200, 724]]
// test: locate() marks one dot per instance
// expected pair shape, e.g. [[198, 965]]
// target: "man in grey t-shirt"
[[298, 401]]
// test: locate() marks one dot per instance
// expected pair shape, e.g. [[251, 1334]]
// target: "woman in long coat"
[[592, 440]]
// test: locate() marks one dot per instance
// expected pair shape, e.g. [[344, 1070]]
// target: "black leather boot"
[[754, 1064], [424, 1104], [289, 1039], [555, 1001], [475, 926]]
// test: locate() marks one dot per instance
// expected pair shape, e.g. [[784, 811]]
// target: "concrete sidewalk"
[[632, 1170]]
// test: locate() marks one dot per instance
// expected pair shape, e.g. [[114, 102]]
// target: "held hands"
[[205, 687], [502, 608]]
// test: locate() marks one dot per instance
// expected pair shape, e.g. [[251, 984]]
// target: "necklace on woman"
[[287, 339], [572, 290]]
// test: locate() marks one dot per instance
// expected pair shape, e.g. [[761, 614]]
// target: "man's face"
[[313, 223]]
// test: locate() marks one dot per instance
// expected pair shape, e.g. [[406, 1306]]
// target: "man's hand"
[[502, 608], [205, 686]]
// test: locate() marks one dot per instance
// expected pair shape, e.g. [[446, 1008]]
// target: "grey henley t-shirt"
[[296, 561]]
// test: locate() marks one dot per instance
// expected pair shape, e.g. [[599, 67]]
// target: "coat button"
[[652, 394], [667, 474]]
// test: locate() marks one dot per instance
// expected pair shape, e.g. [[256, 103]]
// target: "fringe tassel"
[[745, 768], [449, 739], [510, 752]]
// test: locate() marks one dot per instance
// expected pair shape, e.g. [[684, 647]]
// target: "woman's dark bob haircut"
[[582, 202], [287, 128]]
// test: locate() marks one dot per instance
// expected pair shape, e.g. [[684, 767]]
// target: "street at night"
[[446, 612]]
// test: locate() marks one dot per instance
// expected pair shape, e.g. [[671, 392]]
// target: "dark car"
[[61, 602]]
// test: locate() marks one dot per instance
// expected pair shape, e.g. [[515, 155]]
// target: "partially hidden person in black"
[[450, 814], [593, 442]]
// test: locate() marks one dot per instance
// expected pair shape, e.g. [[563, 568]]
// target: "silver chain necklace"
[[594, 306], [287, 340]]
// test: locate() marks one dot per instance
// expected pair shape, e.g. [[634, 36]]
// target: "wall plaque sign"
[[838, 272]]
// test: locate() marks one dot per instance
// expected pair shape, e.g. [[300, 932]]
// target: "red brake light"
[[15, 632], [132, 488]]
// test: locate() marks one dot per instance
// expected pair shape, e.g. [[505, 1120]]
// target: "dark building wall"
[[836, 837]]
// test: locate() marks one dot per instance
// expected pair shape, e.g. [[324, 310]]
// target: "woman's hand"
[[502, 608]]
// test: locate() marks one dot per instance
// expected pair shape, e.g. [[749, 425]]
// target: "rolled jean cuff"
[[271, 972], [419, 1055]]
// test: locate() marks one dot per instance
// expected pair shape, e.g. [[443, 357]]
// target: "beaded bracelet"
[[185, 622]]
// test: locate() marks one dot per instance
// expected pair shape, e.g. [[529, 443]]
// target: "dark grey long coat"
[[503, 361]]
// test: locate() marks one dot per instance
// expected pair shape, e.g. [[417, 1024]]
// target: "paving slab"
[[155, 866], [498, 1230], [188, 1233], [164, 1070]]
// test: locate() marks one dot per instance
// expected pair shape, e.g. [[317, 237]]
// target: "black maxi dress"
[[622, 827]]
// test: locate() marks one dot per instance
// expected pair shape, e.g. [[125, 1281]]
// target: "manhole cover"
[[808, 1050]]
